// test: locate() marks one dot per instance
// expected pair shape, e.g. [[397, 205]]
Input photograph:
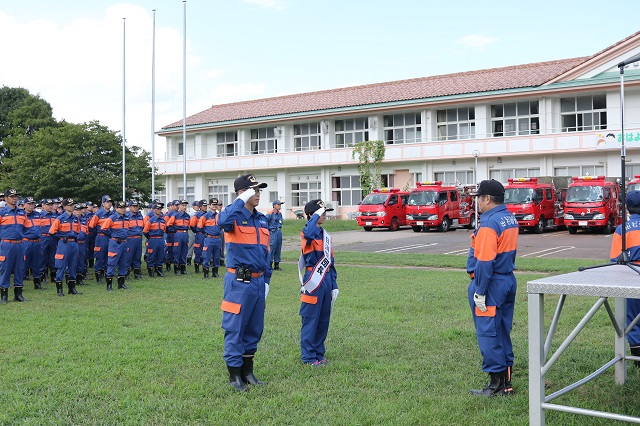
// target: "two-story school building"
[[556, 118]]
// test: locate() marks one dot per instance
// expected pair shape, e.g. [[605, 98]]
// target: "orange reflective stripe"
[[2, 258], [96, 248], [149, 250], [232, 308], [486, 244], [242, 235], [306, 298], [490, 312], [316, 245], [196, 245], [264, 235], [508, 240], [111, 254], [60, 256], [204, 248]]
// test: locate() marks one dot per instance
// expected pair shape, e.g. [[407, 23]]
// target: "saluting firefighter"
[[66, 228], [31, 242], [13, 225], [492, 291], [198, 242], [208, 225], [134, 239], [117, 225], [274, 220], [180, 222], [319, 286], [246, 283], [154, 228], [101, 246]]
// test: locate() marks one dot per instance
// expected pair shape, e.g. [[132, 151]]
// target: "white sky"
[[70, 52]]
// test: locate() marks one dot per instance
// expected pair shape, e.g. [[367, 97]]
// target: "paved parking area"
[[551, 244]]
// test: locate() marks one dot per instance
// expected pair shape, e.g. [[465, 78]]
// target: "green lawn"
[[401, 345]]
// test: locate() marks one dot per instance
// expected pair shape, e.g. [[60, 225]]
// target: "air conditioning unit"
[[277, 131], [324, 126]]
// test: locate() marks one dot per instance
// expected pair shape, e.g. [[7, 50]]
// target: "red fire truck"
[[534, 204], [433, 205], [383, 208], [592, 203], [634, 184]]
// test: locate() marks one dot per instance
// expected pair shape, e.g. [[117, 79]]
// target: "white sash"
[[319, 270]]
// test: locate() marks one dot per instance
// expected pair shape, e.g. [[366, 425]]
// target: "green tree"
[[83, 161], [22, 112], [370, 155]]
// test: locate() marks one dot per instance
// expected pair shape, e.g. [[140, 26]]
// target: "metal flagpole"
[[124, 133], [153, 109], [184, 104]]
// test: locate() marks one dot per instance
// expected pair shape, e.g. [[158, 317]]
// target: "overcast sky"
[[71, 52]]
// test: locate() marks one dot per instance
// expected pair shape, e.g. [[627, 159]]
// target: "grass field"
[[401, 344]]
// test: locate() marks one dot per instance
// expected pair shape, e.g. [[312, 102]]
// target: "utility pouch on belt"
[[243, 274]]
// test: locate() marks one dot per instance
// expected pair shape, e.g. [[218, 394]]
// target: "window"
[[350, 132], [517, 118], [579, 171], [273, 196], [263, 141], [403, 128], [221, 192], [227, 143], [161, 196], [456, 123], [345, 190], [387, 181], [583, 113], [180, 148], [505, 174], [191, 194], [306, 137], [631, 170], [459, 177], [303, 192]]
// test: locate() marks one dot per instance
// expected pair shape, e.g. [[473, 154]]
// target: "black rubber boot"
[[205, 272], [494, 388], [215, 272], [109, 283], [151, 272], [635, 351], [159, 271], [235, 378], [37, 283], [59, 288], [91, 262], [121, 284], [276, 266], [183, 270], [197, 266], [137, 274], [247, 372], [508, 389], [17, 294], [98, 276], [4, 295], [176, 269], [53, 275], [72, 287], [168, 266], [80, 279], [189, 261]]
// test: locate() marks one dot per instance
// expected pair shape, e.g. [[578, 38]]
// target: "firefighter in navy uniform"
[[66, 228], [31, 242], [246, 283], [91, 236], [170, 238], [117, 226], [13, 226], [180, 222], [134, 239], [48, 244], [154, 228], [101, 246], [632, 235], [198, 242], [274, 220], [492, 291], [208, 224], [80, 210]]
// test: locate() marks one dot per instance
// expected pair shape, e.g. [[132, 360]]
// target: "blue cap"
[[175, 203], [106, 198], [633, 199], [277, 202]]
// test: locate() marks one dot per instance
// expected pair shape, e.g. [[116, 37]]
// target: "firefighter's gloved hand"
[[320, 211], [247, 194], [334, 294], [266, 290], [480, 301]]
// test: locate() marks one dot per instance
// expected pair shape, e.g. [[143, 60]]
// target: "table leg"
[[536, 358], [620, 346]]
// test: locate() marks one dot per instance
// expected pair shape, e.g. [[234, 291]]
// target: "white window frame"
[[583, 109], [191, 194], [221, 192], [227, 144], [503, 175], [403, 128], [263, 141], [587, 170], [307, 136], [350, 131], [455, 177], [346, 190], [303, 192], [515, 118], [456, 123]]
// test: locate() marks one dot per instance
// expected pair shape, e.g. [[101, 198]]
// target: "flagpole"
[[153, 109], [184, 103], [124, 133]]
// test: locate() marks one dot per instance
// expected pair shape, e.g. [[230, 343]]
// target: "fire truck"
[[634, 184], [383, 208], [433, 205], [593, 203], [535, 204]]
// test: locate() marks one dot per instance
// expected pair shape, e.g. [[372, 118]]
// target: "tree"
[[22, 112], [82, 161], [370, 155]]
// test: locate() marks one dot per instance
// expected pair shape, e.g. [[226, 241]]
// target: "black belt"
[[134, 236], [102, 235], [12, 241], [213, 236], [120, 240], [153, 236], [181, 230], [31, 241], [67, 239]]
